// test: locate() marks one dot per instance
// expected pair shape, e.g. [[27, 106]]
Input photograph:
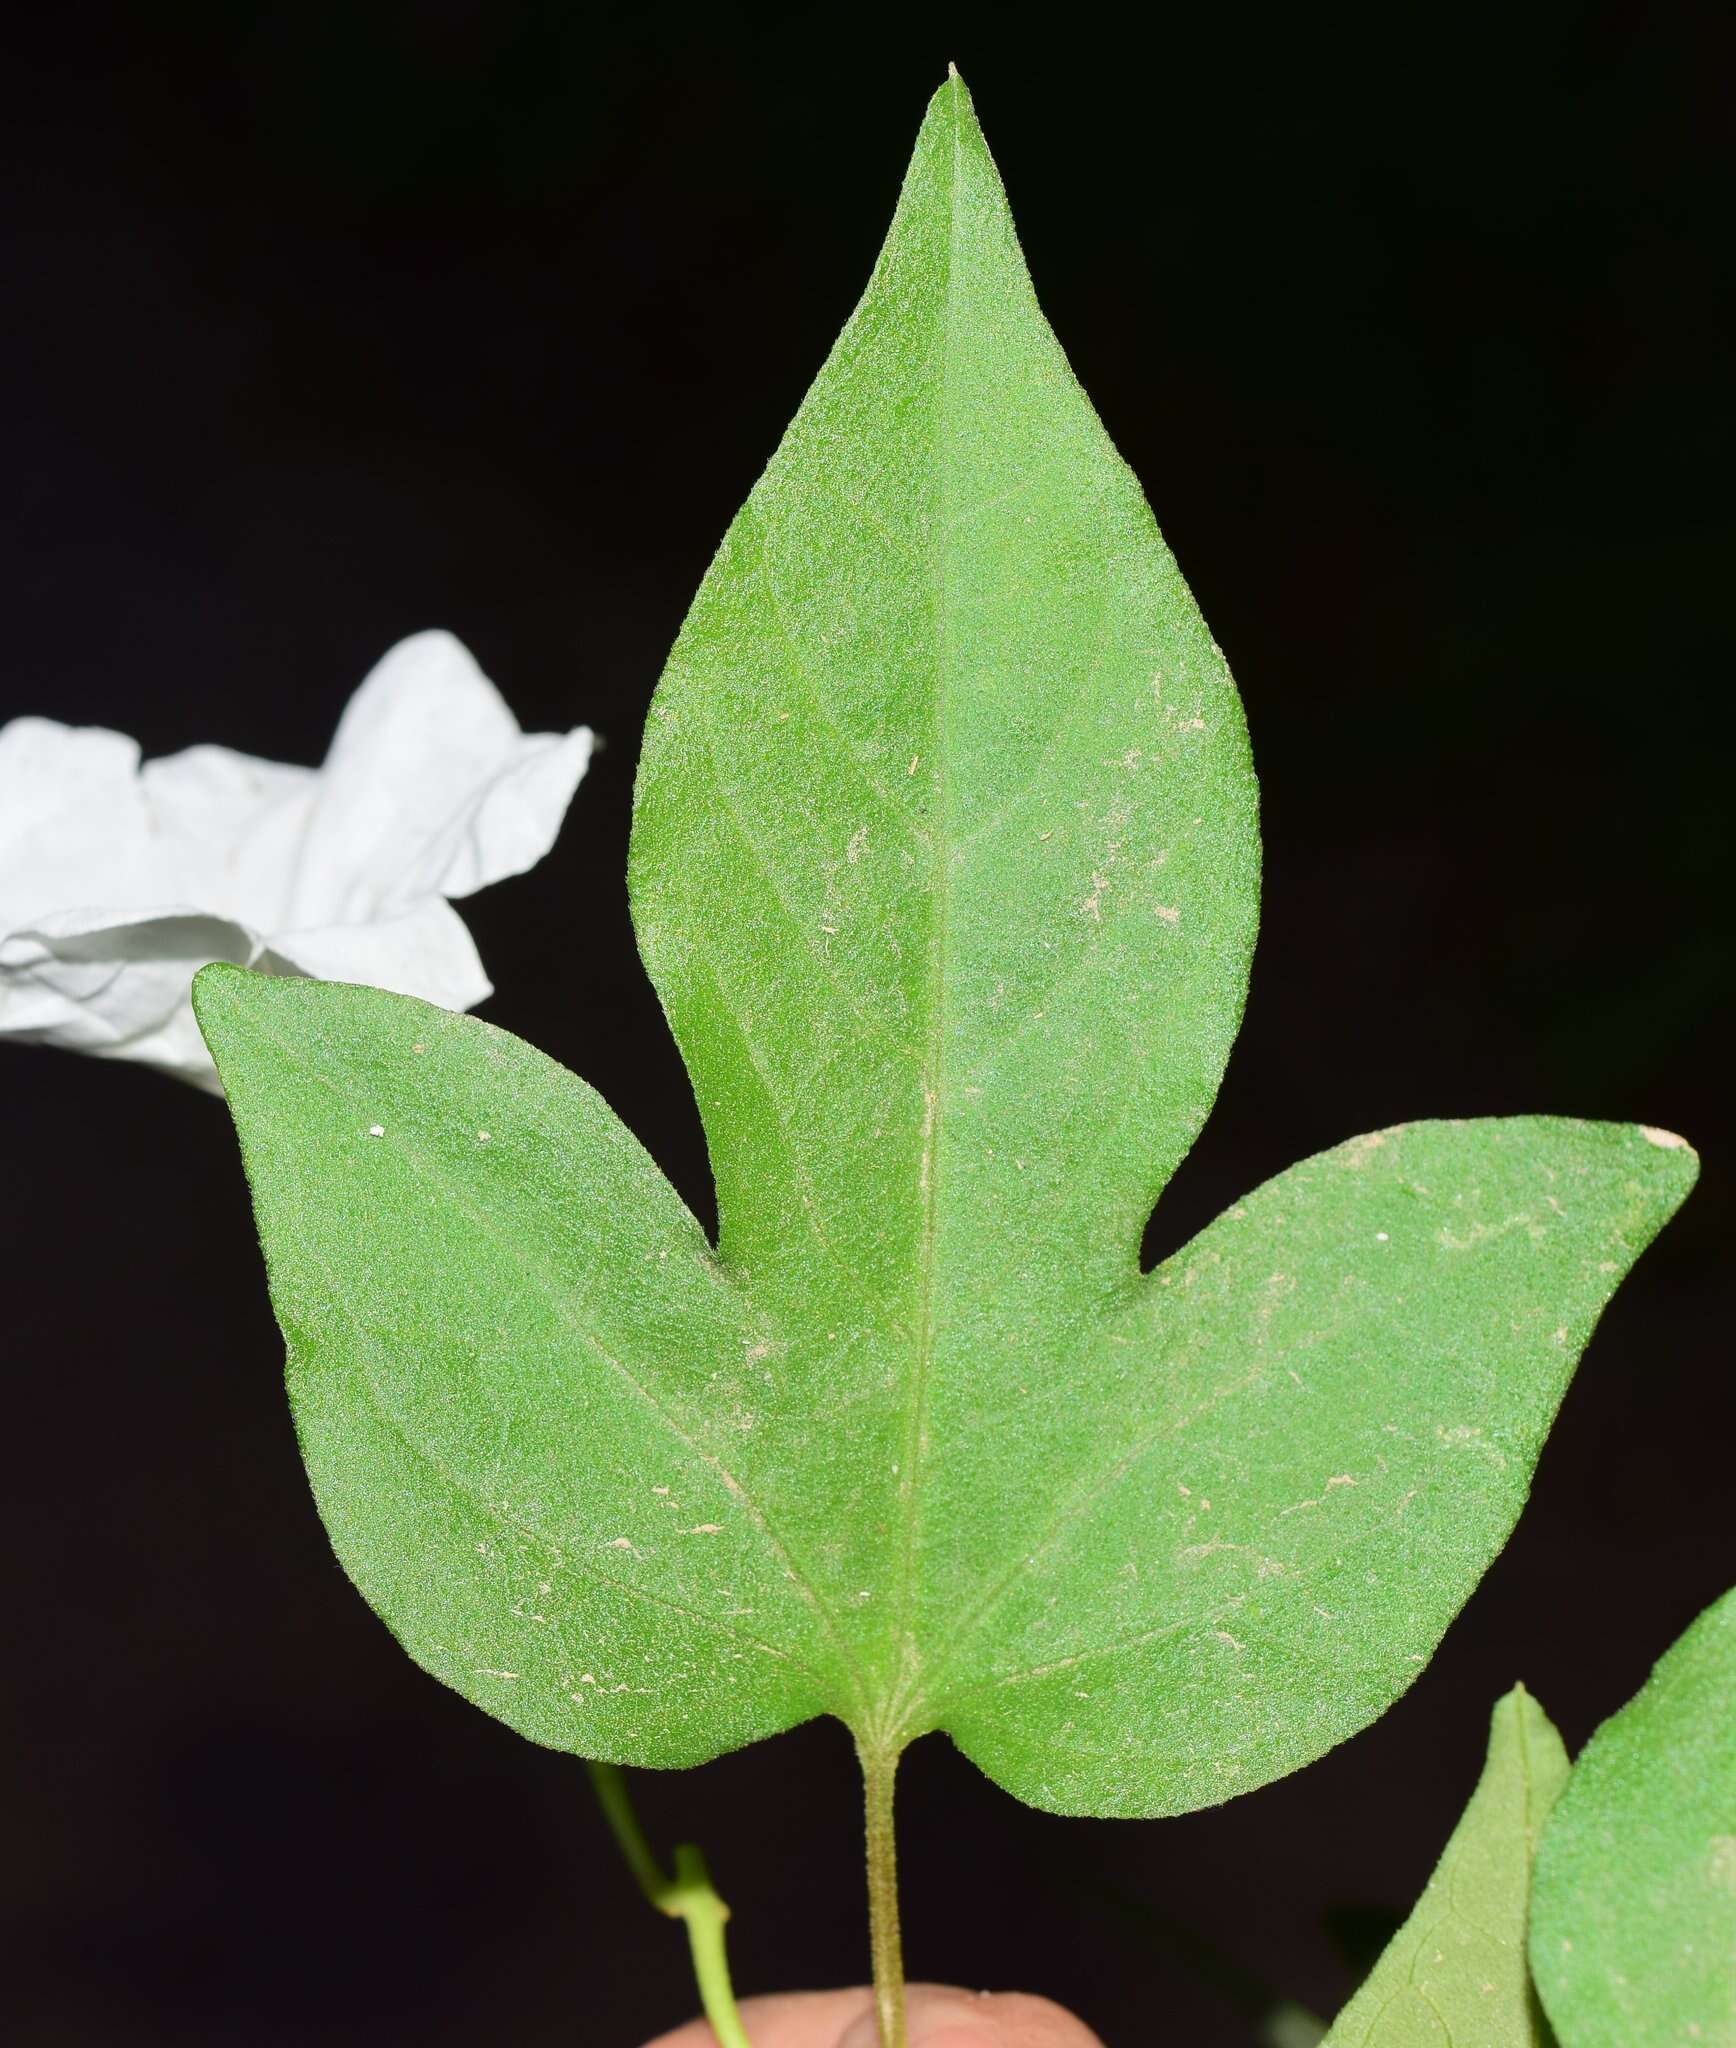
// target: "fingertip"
[[943, 2016], [787, 2019], [940, 2016], [1029, 2021]]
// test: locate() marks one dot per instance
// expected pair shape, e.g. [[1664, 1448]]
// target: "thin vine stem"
[[879, 1766], [689, 1895]]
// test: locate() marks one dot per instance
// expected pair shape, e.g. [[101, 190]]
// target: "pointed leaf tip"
[[1670, 1161], [210, 982], [226, 996], [224, 983], [1456, 1969], [952, 98], [1666, 1141]]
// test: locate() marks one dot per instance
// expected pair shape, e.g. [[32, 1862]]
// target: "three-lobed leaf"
[[944, 866], [1633, 1923], [1455, 1973]]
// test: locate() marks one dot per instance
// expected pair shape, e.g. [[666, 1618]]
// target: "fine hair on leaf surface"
[[944, 865]]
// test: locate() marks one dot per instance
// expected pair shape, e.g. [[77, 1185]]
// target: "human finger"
[[940, 2016]]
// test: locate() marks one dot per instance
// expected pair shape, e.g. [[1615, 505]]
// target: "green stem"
[[878, 1769], [617, 1805], [689, 1895], [705, 1914]]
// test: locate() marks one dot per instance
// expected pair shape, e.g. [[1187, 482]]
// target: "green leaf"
[[1290, 1457], [944, 867], [1633, 1915], [1454, 1976], [517, 1373]]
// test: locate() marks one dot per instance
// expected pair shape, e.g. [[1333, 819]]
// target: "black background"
[[329, 322]]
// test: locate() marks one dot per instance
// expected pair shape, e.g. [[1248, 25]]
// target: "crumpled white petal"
[[119, 881], [428, 945]]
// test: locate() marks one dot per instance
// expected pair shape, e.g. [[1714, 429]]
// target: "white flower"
[[119, 881]]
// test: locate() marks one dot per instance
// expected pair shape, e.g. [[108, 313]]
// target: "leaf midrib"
[[905, 1707]]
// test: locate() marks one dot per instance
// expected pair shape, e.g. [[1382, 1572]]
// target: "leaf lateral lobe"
[[488, 1294], [1295, 1451]]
